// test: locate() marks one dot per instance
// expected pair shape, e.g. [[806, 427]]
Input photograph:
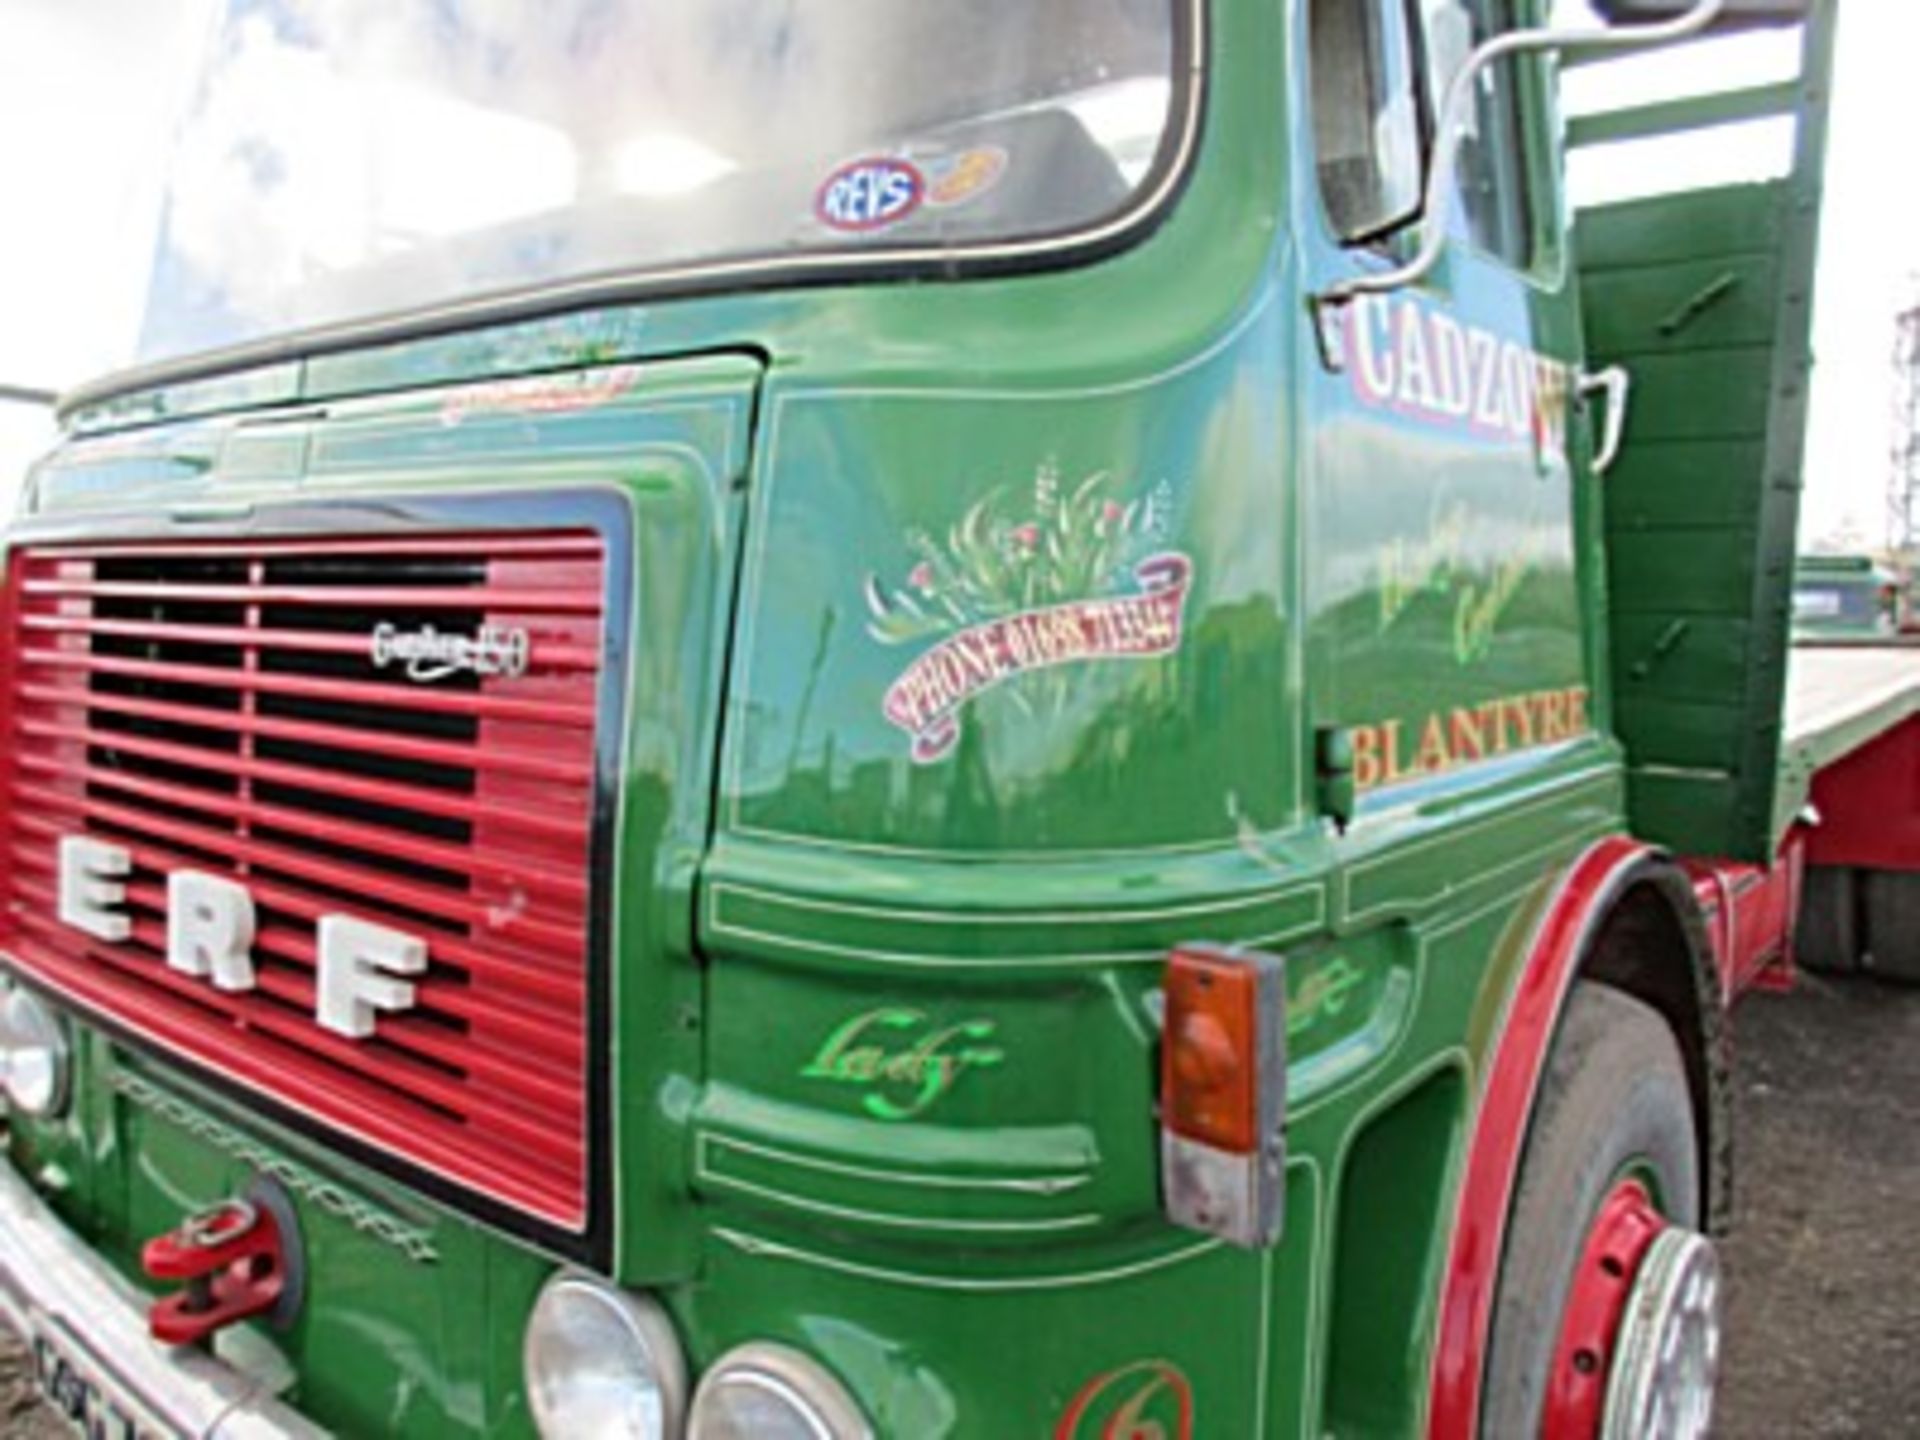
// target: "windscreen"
[[343, 160]]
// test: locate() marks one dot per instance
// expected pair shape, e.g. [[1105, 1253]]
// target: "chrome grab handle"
[[1617, 385]]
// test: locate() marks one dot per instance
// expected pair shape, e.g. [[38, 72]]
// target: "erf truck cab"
[[846, 718]]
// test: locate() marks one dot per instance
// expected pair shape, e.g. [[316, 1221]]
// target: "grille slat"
[[392, 844], [393, 794], [314, 735], [460, 547], [225, 707], [554, 657], [217, 679], [368, 598]]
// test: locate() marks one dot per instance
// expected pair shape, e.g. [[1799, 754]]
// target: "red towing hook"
[[232, 1259]]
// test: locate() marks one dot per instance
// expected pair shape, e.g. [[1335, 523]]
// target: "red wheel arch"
[[1500, 1126]]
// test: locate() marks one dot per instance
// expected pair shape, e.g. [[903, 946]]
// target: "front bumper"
[[50, 1281]]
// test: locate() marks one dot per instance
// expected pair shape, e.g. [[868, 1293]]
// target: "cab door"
[[1443, 606]]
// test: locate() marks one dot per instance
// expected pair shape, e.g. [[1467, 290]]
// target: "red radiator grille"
[[217, 707]]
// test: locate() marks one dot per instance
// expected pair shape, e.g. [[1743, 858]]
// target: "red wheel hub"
[[1618, 1241]]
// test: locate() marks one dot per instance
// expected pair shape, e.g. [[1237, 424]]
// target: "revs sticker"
[[870, 194]]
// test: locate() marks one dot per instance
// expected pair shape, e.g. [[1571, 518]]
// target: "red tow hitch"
[[231, 1257]]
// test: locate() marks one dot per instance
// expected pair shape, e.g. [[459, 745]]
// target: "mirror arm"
[[1453, 113], [26, 394]]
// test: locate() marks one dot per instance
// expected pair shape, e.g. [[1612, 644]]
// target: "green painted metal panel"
[[1705, 803], [1375, 1355], [1674, 230], [1718, 494], [1691, 735], [1705, 297], [1692, 660], [1712, 304], [1682, 573], [1699, 395]]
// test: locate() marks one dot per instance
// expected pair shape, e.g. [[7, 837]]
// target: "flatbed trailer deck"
[[1841, 697]]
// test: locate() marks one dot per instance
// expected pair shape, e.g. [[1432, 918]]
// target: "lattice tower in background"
[[1903, 494]]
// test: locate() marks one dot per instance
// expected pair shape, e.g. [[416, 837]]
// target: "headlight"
[[769, 1392], [33, 1054], [602, 1362]]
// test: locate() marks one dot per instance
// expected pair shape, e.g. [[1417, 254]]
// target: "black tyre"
[[1614, 1102], [1892, 916], [1827, 937]]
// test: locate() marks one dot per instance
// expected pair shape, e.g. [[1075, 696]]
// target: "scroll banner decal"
[[927, 698]]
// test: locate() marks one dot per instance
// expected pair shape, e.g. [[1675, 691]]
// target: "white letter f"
[[357, 965]]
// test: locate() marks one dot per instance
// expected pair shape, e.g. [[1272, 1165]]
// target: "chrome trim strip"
[[48, 1275]]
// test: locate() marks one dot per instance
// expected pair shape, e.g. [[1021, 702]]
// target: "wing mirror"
[[1664, 21]]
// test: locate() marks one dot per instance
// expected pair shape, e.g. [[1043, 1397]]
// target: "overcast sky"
[[87, 86], [1869, 259]]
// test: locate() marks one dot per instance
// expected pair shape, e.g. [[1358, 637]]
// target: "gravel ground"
[[1823, 1311], [21, 1415], [1823, 1308]]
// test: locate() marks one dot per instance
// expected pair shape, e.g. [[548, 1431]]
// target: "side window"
[[1366, 114], [1492, 175]]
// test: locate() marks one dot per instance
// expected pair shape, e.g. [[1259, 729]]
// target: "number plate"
[[82, 1390]]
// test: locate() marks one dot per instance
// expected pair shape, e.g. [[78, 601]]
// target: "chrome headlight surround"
[[35, 1060], [773, 1392], [600, 1361]]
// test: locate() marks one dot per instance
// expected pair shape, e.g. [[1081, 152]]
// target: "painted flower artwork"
[[1014, 552], [1019, 589]]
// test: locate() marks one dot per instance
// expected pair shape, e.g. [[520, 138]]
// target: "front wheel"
[[1607, 1318]]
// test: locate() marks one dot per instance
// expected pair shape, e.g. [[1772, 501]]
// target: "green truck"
[[832, 718]]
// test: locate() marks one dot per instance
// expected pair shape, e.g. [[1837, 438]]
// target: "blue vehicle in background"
[[1842, 597]]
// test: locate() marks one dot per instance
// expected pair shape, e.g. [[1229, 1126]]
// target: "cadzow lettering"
[[1419, 361], [211, 924]]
